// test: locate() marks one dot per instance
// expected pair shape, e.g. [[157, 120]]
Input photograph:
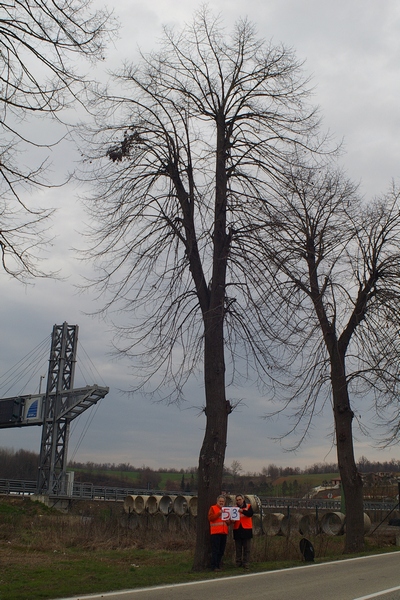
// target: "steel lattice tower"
[[54, 410], [56, 422]]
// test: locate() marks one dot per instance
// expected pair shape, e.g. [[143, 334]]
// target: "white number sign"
[[230, 513]]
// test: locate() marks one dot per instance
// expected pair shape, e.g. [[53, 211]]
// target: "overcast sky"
[[352, 52]]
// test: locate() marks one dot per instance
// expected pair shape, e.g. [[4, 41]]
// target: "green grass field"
[[131, 478], [45, 554]]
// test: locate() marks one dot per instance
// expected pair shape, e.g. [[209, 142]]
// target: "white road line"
[[377, 594]]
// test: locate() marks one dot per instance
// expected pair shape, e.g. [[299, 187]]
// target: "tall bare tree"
[[182, 162], [41, 42], [336, 267]]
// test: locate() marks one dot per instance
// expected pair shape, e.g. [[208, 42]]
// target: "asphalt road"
[[372, 577]]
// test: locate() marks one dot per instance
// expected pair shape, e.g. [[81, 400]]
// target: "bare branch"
[[39, 43]]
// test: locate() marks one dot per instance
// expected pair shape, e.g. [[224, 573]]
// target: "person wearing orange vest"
[[243, 532], [219, 533]]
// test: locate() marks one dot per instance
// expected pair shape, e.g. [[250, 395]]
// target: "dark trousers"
[[242, 552], [218, 543]]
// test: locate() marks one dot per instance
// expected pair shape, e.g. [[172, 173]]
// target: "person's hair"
[[239, 496], [220, 496]]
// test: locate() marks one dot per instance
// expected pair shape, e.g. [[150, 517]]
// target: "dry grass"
[[101, 526], [92, 526]]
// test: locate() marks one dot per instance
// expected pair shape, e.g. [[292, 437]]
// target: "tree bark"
[[350, 477], [343, 415], [212, 454]]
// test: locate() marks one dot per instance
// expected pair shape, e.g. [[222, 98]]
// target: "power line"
[[90, 368], [26, 369]]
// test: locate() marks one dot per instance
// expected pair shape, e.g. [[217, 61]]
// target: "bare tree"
[[235, 469], [182, 163], [337, 304], [40, 43]]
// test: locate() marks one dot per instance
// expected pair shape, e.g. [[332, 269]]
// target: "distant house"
[[325, 492], [380, 478], [336, 482]]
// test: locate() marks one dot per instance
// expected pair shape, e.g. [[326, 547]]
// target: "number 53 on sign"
[[230, 513]]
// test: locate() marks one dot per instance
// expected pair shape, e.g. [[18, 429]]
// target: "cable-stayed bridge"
[[54, 410]]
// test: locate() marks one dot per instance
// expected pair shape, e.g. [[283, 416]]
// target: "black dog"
[[307, 550]]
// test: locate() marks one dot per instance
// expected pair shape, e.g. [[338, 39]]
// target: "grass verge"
[[47, 555]]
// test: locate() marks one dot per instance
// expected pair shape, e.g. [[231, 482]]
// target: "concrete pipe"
[[165, 505], [173, 522], [133, 521], [139, 504], [332, 523], [185, 522], [367, 524], [152, 503], [257, 525], [180, 506], [290, 524], [272, 523], [254, 501], [193, 506], [308, 525], [193, 524], [130, 521], [129, 504], [143, 520], [158, 522], [188, 523], [134, 504]]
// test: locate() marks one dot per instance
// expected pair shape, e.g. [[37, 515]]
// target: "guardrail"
[[299, 503], [89, 491], [16, 486], [94, 492], [320, 503], [84, 491]]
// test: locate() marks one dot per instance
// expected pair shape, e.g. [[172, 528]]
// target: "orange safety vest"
[[217, 525], [245, 522]]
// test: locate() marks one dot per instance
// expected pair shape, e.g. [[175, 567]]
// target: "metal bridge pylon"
[[62, 404]]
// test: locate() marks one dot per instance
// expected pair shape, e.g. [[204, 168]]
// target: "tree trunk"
[[350, 477], [343, 416], [212, 454]]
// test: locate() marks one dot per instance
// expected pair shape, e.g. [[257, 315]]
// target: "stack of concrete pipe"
[[331, 523], [179, 512], [161, 513], [170, 512]]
